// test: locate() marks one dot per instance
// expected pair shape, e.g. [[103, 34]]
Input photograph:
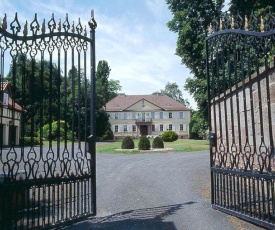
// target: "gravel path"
[[156, 191]]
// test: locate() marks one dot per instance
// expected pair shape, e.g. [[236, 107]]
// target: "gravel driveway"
[[156, 191]]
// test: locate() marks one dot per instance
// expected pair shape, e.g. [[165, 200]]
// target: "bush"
[[128, 143], [28, 141], [158, 143], [108, 135], [169, 136], [144, 143]]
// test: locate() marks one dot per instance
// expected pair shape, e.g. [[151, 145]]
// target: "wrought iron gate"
[[241, 83], [47, 125]]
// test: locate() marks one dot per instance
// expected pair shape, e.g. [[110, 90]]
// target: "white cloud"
[[139, 48]]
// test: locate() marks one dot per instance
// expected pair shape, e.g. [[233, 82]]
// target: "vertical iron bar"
[[221, 146], [245, 107], [73, 103], [267, 199], [260, 97], [249, 196], [251, 159], [259, 198], [41, 123], [58, 104], [238, 109], [233, 141], [225, 108], [209, 121], [271, 138], [65, 103], [254, 198], [79, 102], [92, 138], [32, 81]]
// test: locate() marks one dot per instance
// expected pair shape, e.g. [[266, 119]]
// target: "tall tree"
[[35, 92], [172, 90], [105, 90], [190, 20], [113, 88], [245, 7]]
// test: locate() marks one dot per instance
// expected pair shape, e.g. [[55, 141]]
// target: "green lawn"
[[181, 145]]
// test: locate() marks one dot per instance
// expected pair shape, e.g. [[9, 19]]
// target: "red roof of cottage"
[[15, 106], [4, 85], [122, 102]]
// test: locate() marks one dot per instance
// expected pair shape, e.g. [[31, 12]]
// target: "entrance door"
[[143, 130], [12, 134]]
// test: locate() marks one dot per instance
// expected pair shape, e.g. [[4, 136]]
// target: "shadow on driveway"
[[140, 219]]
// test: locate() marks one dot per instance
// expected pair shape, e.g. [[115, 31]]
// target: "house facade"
[[10, 115], [135, 115]]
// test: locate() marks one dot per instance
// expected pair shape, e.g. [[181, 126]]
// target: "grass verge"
[[181, 145]]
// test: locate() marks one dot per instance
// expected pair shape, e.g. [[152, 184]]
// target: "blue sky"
[[131, 36]]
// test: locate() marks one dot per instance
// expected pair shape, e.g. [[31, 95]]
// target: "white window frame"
[[182, 127]]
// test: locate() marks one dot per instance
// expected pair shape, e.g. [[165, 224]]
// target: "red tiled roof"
[[17, 107], [122, 102], [4, 85]]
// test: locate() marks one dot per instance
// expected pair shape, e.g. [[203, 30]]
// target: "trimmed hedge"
[[128, 143], [158, 143], [144, 143], [169, 136]]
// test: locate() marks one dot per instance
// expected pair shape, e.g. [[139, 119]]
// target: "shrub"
[[158, 143], [169, 136], [108, 135], [128, 143], [28, 141], [144, 143]]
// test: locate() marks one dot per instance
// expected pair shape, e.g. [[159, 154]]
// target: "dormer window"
[[142, 103]]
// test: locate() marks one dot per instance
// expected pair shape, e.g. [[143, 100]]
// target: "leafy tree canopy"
[[106, 89], [190, 20], [172, 90]]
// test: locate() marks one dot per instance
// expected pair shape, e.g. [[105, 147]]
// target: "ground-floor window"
[[134, 128], [125, 128], [116, 128], [161, 128], [182, 127], [153, 128], [170, 127]]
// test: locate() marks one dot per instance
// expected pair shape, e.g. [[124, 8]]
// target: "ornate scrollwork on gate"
[[47, 158], [241, 71], [241, 84]]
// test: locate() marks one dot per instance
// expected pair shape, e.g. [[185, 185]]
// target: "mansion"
[[135, 115]]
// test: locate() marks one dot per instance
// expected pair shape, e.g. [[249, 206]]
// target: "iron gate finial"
[[92, 23]]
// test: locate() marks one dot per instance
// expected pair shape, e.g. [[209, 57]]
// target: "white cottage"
[[10, 115]]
